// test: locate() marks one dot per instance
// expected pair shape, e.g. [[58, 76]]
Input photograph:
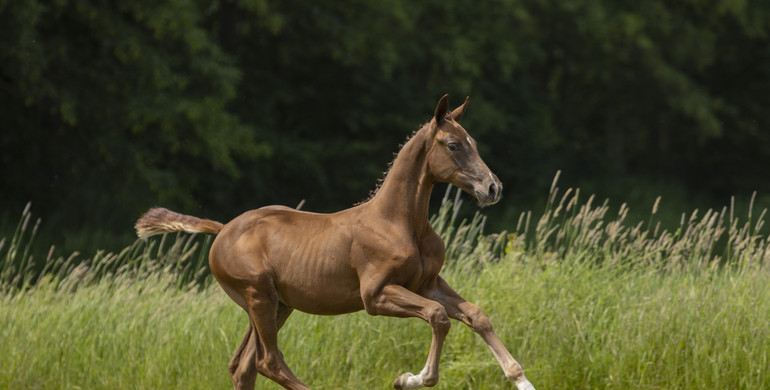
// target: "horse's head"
[[453, 156]]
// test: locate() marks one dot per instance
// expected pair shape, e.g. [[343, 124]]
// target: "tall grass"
[[583, 298], [184, 256], [575, 231]]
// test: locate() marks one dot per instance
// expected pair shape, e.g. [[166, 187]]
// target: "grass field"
[[583, 299]]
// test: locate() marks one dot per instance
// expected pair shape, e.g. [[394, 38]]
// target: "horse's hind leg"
[[268, 315], [243, 367]]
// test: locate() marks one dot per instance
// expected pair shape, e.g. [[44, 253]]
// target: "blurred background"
[[215, 107]]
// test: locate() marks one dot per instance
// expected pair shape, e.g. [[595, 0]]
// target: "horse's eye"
[[452, 147]]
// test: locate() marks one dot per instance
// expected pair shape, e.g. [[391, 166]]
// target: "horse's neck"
[[404, 196]]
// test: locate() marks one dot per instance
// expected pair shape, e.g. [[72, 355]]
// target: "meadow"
[[582, 297]]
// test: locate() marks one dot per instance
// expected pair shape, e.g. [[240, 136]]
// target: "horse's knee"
[[438, 318], [479, 321]]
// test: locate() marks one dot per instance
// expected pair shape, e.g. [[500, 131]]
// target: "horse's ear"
[[441, 110], [458, 113]]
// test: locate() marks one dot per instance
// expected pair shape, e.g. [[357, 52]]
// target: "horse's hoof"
[[399, 382], [408, 381]]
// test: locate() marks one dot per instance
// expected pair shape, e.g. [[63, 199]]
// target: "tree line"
[[215, 107]]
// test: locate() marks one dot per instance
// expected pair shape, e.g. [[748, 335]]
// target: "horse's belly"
[[326, 298], [319, 287], [323, 304]]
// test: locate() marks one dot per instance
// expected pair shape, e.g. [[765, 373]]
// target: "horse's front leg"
[[397, 301], [460, 309]]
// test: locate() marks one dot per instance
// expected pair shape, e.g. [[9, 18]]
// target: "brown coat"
[[381, 256]]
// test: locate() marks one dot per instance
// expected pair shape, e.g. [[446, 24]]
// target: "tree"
[[215, 107], [108, 103]]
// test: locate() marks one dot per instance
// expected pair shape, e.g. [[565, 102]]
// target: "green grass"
[[583, 299]]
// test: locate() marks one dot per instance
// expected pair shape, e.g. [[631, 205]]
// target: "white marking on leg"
[[525, 385], [415, 381]]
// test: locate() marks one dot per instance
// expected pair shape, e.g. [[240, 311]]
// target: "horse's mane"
[[381, 180]]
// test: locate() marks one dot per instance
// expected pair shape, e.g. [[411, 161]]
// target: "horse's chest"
[[401, 259], [425, 265]]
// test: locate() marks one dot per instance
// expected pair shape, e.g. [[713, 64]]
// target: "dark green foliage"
[[109, 107], [214, 107]]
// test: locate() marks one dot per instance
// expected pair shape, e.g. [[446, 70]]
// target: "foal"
[[381, 256]]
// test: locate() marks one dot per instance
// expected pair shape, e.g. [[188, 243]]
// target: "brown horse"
[[381, 256]]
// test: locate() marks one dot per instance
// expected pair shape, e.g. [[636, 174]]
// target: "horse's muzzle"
[[489, 192]]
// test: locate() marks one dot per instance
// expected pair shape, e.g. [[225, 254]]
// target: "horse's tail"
[[159, 220]]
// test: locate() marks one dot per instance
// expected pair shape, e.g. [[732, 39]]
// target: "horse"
[[381, 256]]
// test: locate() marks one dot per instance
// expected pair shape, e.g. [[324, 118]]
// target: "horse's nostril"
[[492, 190]]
